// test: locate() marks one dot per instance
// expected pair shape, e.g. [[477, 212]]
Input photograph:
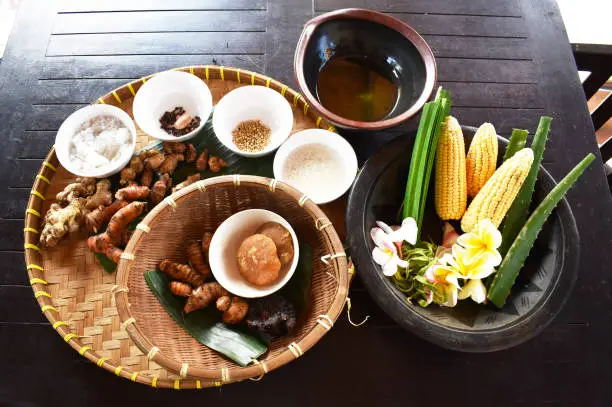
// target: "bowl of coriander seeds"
[[252, 120]]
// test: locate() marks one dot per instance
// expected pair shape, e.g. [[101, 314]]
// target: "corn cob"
[[496, 196], [450, 188], [481, 159]]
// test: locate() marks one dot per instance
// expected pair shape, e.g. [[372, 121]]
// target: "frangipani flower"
[[385, 252], [407, 232], [479, 268], [482, 243], [446, 285], [474, 289]]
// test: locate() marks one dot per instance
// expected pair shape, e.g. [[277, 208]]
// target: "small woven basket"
[[186, 215]]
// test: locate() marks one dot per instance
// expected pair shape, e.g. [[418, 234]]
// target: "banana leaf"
[[297, 290], [205, 325]]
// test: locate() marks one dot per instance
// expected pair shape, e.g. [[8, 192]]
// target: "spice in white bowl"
[[315, 169], [251, 136], [99, 142]]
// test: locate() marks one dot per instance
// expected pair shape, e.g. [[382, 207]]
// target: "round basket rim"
[[34, 219], [235, 373]]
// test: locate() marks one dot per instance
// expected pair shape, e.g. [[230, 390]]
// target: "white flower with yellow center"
[[481, 244]]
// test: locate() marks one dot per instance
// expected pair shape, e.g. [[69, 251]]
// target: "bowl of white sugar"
[[319, 163], [96, 141]]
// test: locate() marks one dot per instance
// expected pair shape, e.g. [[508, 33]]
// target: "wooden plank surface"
[[505, 61]]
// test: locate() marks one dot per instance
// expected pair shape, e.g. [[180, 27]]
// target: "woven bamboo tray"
[[73, 291]]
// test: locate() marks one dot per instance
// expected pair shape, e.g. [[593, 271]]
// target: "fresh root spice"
[[178, 122], [251, 136]]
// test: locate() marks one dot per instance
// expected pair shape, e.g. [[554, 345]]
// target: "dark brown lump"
[[170, 119]]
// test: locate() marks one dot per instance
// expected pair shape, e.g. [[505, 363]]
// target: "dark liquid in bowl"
[[355, 88]]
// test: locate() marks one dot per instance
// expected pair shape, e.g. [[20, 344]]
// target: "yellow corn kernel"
[[450, 183], [496, 196], [481, 159]]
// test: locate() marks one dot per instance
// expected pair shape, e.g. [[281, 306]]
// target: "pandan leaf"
[[519, 250], [516, 143], [517, 214], [205, 325]]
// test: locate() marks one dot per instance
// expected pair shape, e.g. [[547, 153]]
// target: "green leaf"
[[297, 290], [205, 325], [107, 264], [516, 143]]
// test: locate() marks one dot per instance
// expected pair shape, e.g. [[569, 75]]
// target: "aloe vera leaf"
[[442, 113], [205, 326], [519, 250], [517, 214], [409, 197], [516, 143]]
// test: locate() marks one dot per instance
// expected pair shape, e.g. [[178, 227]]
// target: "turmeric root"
[[158, 191], [234, 309], [202, 296], [180, 289], [190, 153], [133, 193], [202, 161], [127, 234], [102, 197], [95, 219], [146, 178], [190, 180], [216, 163], [170, 148], [181, 272], [101, 244], [121, 219], [59, 221], [206, 239], [83, 187], [170, 163], [196, 259]]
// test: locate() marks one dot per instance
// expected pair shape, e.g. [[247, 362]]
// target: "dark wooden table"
[[505, 61]]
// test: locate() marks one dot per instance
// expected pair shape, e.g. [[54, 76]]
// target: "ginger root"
[[83, 187], [135, 167], [61, 220], [154, 161], [177, 147], [202, 161], [181, 272], [196, 259], [234, 309], [170, 163], [159, 189], [102, 197], [133, 193], [180, 289], [95, 219], [190, 154], [204, 295], [146, 178], [121, 219], [190, 180], [216, 163]]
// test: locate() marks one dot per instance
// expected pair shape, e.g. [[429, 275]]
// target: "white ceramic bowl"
[[253, 103], [163, 93], [343, 151], [69, 127], [224, 246]]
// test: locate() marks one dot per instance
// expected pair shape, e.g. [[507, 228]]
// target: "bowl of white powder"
[[96, 141], [317, 162]]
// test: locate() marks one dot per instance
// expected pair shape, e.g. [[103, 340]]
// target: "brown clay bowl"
[[385, 41]]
